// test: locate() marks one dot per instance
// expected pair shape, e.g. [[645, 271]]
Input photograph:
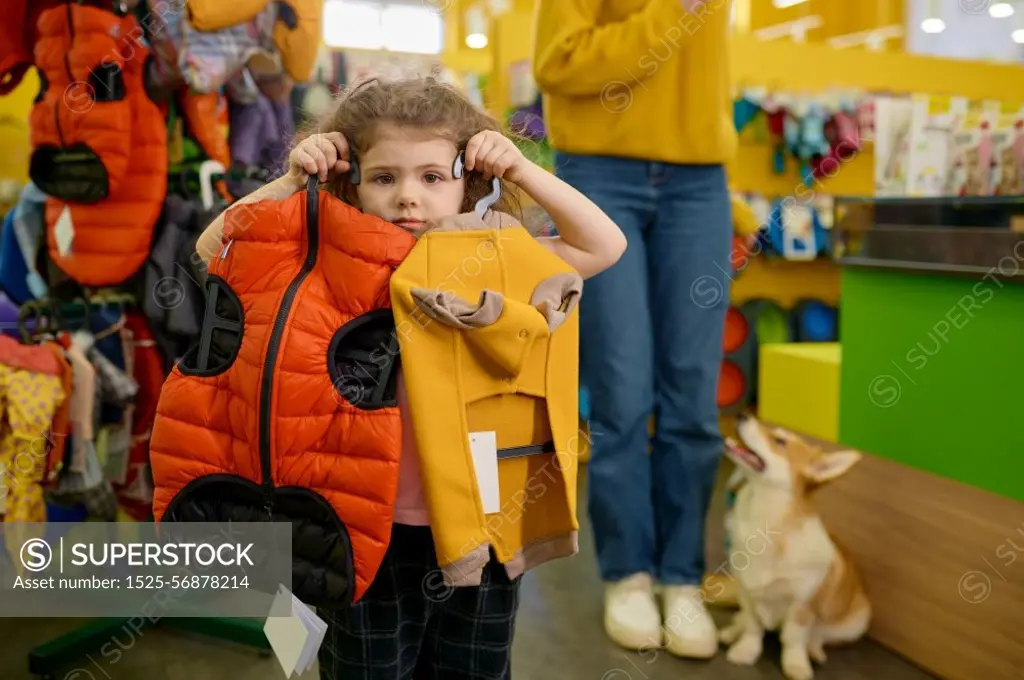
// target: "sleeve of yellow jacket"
[[744, 221], [573, 55], [507, 340]]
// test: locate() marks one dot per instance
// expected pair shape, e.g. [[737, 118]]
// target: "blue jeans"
[[651, 332]]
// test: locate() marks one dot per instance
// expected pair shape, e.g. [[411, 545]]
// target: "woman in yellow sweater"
[[639, 110]]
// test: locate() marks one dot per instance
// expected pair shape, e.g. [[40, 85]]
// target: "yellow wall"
[[840, 17], [815, 68], [14, 130], [510, 43]]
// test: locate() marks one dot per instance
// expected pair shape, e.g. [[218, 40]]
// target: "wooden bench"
[[943, 561], [943, 564]]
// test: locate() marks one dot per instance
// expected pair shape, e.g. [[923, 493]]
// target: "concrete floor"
[[558, 636]]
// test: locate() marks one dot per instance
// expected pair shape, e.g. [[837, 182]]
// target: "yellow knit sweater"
[[636, 78]]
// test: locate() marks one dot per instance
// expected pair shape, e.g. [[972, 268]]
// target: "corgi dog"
[[792, 576]]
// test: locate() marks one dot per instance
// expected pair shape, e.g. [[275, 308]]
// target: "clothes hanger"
[[112, 298], [206, 172], [46, 316], [485, 203]]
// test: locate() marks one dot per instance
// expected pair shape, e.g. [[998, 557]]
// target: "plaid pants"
[[411, 626]]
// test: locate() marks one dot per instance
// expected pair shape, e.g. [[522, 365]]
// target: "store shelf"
[[950, 201], [954, 236]]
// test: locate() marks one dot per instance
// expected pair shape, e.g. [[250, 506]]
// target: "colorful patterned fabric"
[[205, 61]]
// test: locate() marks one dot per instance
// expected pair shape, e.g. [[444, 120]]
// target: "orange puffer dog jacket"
[[99, 143], [286, 410]]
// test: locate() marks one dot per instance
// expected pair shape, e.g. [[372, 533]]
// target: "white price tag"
[[294, 632], [64, 232], [484, 446]]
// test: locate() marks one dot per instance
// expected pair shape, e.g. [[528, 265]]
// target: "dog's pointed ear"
[[830, 466]]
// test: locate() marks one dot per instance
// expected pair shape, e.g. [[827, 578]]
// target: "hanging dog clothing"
[[80, 152], [29, 397], [146, 366], [206, 59], [214, 15], [493, 393], [300, 421], [297, 35], [100, 144]]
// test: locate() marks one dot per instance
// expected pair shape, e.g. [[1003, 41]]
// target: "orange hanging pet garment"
[[100, 144], [81, 121], [286, 409]]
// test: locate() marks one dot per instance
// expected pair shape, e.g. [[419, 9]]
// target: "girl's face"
[[406, 179]]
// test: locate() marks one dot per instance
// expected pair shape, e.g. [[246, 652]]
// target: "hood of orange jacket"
[[286, 410]]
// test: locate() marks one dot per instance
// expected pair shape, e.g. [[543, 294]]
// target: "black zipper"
[[267, 386]]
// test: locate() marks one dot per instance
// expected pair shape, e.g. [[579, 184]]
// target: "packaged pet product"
[[761, 206], [967, 176], [932, 127], [1018, 147], [866, 118], [1005, 175], [893, 120], [793, 231]]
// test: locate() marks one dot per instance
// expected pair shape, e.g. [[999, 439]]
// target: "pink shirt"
[[410, 505]]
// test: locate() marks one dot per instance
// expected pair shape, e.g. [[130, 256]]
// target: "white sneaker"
[[631, 617], [690, 631]]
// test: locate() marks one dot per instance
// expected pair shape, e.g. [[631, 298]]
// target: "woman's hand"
[[494, 155], [321, 154]]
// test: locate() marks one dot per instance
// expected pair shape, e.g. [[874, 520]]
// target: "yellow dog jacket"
[[488, 333]]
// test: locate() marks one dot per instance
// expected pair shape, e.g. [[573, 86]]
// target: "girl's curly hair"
[[423, 103]]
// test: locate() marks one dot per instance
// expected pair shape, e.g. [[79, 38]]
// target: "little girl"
[[404, 137]]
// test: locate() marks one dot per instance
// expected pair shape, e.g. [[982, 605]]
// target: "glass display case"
[[969, 236]]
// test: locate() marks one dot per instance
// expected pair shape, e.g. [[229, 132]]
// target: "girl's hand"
[[494, 154], [321, 154]]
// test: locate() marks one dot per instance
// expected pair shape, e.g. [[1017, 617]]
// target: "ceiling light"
[[933, 25], [1000, 10], [1018, 36], [475, 22]]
